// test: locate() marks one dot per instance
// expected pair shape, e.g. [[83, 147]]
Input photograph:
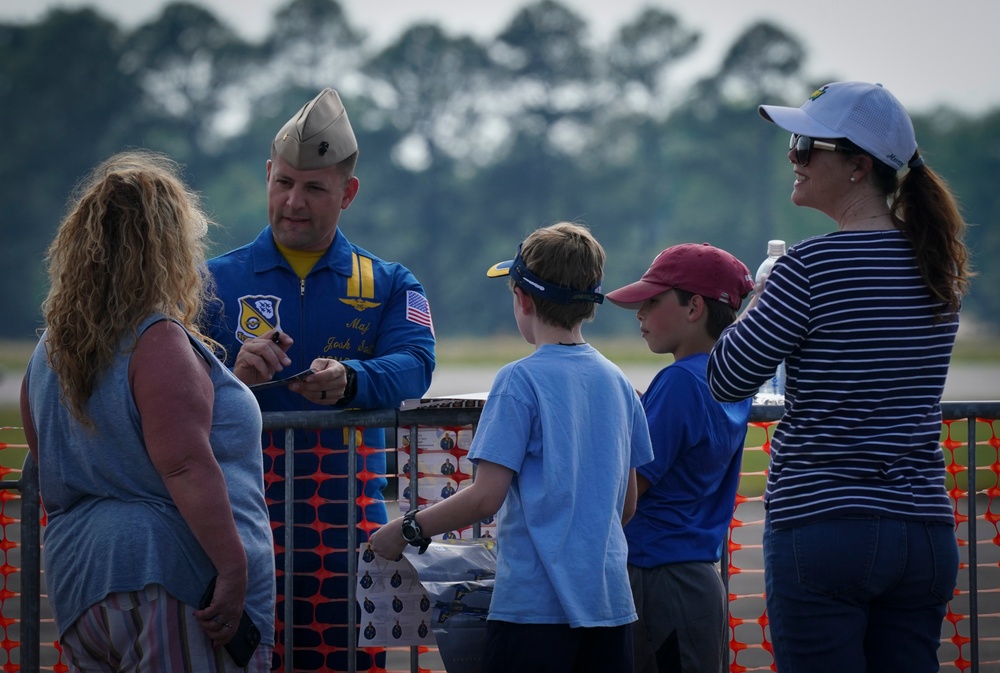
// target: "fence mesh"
[[750, 647]]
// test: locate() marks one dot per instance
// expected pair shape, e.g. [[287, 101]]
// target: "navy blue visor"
[[529, 282]]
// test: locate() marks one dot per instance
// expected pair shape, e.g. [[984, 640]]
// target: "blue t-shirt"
[[685, 514], [570, 425]]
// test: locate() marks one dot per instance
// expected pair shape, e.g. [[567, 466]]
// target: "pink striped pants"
[[148, 631]]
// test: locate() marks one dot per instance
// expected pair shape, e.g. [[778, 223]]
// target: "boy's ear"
[[696, 308], [526, 301]]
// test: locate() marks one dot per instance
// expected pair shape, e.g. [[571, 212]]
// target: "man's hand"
[[260, 358], [326, 386]]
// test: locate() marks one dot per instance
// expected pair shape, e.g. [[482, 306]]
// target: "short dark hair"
[[720, 314]]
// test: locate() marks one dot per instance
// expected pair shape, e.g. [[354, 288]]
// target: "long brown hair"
[[927, 213], [133, 243]]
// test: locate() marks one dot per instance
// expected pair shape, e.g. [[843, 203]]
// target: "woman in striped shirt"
[[859, 546]]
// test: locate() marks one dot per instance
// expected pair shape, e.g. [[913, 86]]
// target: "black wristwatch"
[[412, 533], [351, 389]]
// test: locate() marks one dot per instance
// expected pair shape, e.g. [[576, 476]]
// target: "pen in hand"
[[276, 337]]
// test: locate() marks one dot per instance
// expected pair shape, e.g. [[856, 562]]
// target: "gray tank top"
[[112, 525]]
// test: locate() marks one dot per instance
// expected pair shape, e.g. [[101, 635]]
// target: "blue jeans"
[[860, 593]]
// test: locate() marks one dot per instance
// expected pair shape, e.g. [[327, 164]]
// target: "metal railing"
[[30, 588]]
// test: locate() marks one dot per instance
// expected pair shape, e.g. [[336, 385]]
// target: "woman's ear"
[[860, 165]]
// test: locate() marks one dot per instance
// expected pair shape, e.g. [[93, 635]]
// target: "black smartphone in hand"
[[244, 642]]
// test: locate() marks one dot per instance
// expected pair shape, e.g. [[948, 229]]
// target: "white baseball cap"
[[866, 114]]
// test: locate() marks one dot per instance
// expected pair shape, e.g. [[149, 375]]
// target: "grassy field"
[[14, 355], [13, 359]]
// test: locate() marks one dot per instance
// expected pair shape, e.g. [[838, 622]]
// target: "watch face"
[[411, 530]]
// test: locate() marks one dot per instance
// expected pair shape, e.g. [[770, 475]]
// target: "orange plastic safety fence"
[[750, 647], [274, 479], [749, 644]]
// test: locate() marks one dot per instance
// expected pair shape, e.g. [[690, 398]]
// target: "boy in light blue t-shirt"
[[556, 449], [686, 494]]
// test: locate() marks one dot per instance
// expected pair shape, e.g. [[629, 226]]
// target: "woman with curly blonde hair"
[[132, 244], [148, 448]]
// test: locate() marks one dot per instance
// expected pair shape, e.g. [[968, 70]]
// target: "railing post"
[[973, 555], [352, 547], [289, 612], [31, 566], [414, 483]]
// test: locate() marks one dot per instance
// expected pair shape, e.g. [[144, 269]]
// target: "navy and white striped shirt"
[[866, 366]]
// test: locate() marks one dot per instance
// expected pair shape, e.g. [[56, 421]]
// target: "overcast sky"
[[927, 52]]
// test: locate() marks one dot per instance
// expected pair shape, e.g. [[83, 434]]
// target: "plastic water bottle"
[[773, 390]]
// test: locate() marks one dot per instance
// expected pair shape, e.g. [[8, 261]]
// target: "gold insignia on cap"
[[318, 136]]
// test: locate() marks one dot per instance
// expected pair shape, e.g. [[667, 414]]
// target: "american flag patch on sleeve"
[[418, 310]]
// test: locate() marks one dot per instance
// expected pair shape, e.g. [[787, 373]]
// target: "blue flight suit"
[[372, 315]]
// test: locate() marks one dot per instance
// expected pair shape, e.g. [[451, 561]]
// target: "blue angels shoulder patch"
[[258, 315]]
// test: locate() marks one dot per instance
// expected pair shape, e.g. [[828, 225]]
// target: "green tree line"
[[466, 145]]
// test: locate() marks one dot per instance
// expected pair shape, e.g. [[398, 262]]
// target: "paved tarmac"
[[966, 382], [974, 382]]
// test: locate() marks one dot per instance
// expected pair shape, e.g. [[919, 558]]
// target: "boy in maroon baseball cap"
[[699, 269], [683, 302]]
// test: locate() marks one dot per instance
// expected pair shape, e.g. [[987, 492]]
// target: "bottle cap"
[[775, 248]]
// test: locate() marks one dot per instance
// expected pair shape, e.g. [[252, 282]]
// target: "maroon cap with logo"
[[699, 269]]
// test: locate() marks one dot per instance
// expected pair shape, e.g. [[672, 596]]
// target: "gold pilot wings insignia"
[[359, 304], [361, 284]]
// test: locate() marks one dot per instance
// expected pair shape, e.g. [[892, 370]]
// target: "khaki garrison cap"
[[318, 136]]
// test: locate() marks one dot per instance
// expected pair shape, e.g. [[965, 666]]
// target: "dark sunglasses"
[[803, 146]]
